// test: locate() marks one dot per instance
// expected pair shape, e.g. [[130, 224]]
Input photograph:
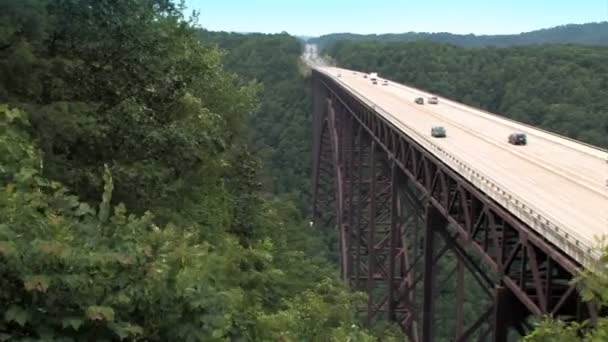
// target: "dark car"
[[518, 139], [438, 132], [419, 100]]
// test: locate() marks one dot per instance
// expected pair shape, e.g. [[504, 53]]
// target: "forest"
[[560, 88], [139, 199], [281, 125], [580, 34]]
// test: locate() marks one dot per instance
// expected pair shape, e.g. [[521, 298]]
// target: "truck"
[[373, 76]]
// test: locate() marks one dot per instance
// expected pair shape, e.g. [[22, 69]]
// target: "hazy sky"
[[316, 17]]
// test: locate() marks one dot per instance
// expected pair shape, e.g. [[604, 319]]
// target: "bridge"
[[415, 214]]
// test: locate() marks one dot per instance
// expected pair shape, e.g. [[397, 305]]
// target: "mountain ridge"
[[595, 33]]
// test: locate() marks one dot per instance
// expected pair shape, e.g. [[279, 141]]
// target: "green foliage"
[[132, 206], [282, 122], [125, 84], [68, 273], [558, 88]]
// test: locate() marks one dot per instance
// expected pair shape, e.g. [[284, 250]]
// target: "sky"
[[317, 17]]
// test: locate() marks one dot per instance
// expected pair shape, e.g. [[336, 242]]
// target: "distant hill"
[[587, 34]]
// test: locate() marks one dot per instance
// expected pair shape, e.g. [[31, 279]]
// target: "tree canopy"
[[133, 205]]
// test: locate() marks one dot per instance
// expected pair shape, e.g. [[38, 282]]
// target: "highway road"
[[562, 180]]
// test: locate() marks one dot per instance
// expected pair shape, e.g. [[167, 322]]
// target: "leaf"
[[84, 209], [52, 248], [73, 322], [7, 248], [10, 188], [124, 330], [16, 314], [100, 313], [37, 283]]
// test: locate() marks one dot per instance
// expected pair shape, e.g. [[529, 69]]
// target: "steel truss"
[[399, 210]]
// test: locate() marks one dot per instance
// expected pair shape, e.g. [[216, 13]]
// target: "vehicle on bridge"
[[373, 76], [364, 75], [518, 139], [433, 100], [438, 132], [419, 100], [374, 81], [385, 82]]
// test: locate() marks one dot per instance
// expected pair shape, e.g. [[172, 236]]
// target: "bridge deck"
[[563, 182]]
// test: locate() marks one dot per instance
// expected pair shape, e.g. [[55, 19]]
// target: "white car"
[[432, 100]]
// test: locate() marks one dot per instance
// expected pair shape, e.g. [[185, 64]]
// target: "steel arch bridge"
[[409, 225]]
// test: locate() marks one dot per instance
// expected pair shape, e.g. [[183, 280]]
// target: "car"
[[438, 132], [364, 75], [518, 139], [419, 100], [374, 82], [385, 82], [433, 100], [339, 75]]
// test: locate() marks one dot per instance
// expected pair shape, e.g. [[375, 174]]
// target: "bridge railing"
[[571, 243]]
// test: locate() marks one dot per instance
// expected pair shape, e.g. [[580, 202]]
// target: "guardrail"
[[569, 241]]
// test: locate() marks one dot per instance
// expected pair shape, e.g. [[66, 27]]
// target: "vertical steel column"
[[501, 314], [394, 235], [349, 191], [508, 313], [359, 210], [434, 222], [370, 234]]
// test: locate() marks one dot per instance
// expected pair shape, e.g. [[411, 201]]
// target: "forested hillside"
[[282, 121], [562, 88], [132, 203], [584, 34]]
